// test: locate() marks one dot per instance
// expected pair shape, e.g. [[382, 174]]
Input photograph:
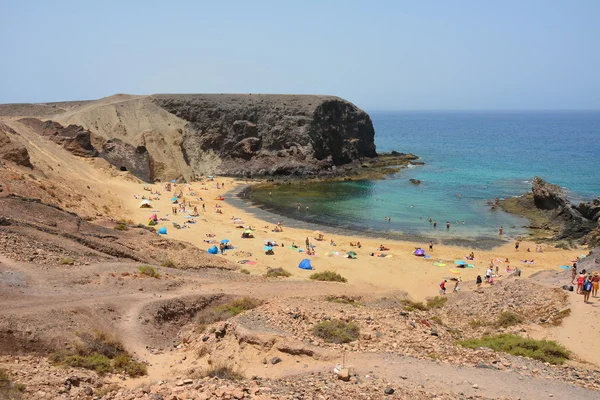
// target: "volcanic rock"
[[128, 158], [73, 138], [272, 134], [12, 151]]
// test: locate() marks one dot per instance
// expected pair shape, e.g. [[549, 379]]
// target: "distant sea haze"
[[470, 158]]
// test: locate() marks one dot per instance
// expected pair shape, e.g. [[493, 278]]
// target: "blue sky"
[[392, 55]]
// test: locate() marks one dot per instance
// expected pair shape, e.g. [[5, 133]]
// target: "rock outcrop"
[[590, 210], [73, 138], [128, 158], [272, 134], [547, 196], [11, 150]]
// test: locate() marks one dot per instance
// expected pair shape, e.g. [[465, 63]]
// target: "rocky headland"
[[165, 137], [554, 217]]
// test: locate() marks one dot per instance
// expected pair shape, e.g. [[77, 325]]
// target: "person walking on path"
[[443, 287], [587, 288], [595, 283], [573, 273], [430, 245], [580, 280]]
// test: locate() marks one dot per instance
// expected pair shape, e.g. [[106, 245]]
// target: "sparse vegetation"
[[223, 371], [148, 271], [222, 312], [436, 302], [328, 276], [8, 389], [169, 264], [542, 350], [337, 331], [343, 299], [121, 227], [562, 314], [432, 302], [436, 319], [66, 261], [244, 271], [99, 352], [277, 273], [410, 305], [477, 323], [507, 319]]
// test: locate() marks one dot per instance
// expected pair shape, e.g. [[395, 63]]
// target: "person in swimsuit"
[[580, 280], [595, 283]]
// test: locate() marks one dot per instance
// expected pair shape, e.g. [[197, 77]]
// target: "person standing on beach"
[[595, 283], [573, 273], [478, 281], [517, 243], [307, 243], [430, 245], [204, 207], [443, 287]]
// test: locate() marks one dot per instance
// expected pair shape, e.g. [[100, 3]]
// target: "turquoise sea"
[[470, 158]]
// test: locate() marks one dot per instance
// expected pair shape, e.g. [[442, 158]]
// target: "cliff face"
[[271, 134], [164, 137]]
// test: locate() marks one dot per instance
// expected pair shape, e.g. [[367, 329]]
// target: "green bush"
[[222, 312], [98, 351], [477, 323], [542, 350], [244, 271], [337, 331], [223, 371], [410, 305], [277, 273], [148, 271], [508, 318], [67, 261], [8, 389], [328, 276], [343, 299], [121, 227], [436, 302], [169, 264]]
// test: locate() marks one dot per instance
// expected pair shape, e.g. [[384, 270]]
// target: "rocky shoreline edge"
[[553, 218]]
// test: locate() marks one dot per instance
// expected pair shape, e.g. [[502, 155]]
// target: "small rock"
[[475, 386], [344, 374], [275, 360], [389, 391]]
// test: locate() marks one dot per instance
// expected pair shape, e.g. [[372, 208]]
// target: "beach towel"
[[454, 271], [439, 264], [565, 267]]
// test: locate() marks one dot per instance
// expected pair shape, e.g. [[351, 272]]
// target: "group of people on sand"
[[587, 283], [456, 288]]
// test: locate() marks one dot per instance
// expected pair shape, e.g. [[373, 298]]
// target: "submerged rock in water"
[[414, 181]]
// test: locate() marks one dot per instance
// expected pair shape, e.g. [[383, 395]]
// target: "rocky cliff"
[[188, 135], [272, 134]]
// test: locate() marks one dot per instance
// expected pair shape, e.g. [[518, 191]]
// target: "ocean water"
[[470, 158]]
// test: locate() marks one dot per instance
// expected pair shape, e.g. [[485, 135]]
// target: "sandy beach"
[[400, 270]]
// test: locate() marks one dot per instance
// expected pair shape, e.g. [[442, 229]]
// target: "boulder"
[[414, 181], [11, 150], [73, 138], [590, 210], [128, 158]]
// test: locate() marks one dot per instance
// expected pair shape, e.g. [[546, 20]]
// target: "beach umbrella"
[[419, 252], [225, 241], [174, 199], [267, 248], [145, 204], [460, 262]]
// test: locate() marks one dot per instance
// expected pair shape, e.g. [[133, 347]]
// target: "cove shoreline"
[[240, 198]]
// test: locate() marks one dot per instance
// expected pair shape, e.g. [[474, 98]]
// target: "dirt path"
[[443, 377]]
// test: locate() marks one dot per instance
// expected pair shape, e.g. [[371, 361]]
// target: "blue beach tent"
[[305, 264], [162, 231], [213, 250]]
